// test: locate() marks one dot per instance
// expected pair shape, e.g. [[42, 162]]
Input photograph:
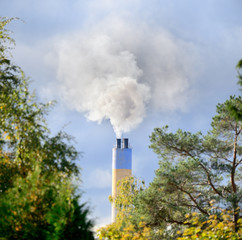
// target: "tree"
[[194, 170], [38, 199], [78, 225], [35, 207], [128, 225]]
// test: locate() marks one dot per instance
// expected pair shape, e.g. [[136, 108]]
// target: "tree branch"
[[192, 198], [238, 163], [187, 153], [234, 161]]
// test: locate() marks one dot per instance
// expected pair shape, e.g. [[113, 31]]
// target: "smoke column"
[[118, 74]]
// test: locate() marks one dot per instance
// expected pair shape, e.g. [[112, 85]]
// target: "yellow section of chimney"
[[117, 174]]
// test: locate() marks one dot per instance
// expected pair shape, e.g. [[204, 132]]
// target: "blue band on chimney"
[[122, 158]]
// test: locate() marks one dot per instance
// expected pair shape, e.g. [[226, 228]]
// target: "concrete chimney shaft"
[[121, 167]]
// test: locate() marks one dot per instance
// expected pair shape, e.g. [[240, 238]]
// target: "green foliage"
[[239, 69], [236, 110], [78, 226], [38, 200], [5, 39], [35, 207]]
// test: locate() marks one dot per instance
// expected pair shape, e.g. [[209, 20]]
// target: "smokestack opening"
[[118, 143], [125, 143]]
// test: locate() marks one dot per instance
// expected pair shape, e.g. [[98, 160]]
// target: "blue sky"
[[142, 64]]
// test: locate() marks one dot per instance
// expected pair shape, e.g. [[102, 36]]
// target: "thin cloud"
[[99, 178]]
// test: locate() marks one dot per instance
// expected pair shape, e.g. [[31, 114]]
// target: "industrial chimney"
[[121, 166]]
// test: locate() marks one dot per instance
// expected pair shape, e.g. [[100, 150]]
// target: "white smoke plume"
[[118, 72]]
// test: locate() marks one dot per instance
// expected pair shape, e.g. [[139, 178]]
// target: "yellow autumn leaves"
[[217, 226]]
